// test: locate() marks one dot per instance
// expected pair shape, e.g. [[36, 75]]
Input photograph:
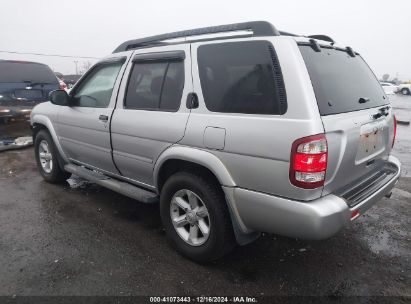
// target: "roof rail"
[[322, 37], [282, 33], [258, 28]]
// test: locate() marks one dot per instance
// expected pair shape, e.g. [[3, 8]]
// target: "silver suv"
[[236, 130]]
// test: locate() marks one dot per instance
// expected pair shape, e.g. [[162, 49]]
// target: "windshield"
[[341, 83], [13, 71]]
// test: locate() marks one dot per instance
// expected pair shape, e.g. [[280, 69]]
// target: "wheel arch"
[[42, 122], [37, 127], [178, 157]]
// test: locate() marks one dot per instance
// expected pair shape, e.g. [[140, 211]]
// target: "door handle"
[[103, 118], [192, 101]]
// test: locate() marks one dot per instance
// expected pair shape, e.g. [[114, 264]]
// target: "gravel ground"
[[81, 239]]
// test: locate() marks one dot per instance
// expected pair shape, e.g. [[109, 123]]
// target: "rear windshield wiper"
[[384, 111], [363, 100]]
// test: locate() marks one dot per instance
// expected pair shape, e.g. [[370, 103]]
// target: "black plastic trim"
[[258, 28], [282, 33], [314, 45], [364, 187], [192, 101], [112, 60], [350, 51], [278, 80], [326, 46], [160, 56], [322, 37]]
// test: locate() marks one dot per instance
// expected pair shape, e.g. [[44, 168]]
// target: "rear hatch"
[[25, 84], [356, 115]]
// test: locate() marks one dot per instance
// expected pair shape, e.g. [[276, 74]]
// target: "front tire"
[[195, 216], [46, 155]]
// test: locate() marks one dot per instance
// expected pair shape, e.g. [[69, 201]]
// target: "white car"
[[389, 88]]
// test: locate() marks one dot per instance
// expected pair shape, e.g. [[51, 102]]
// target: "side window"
[[155, 86], [95, 91], [242, 77]]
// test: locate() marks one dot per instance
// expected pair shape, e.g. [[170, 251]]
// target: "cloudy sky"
[[379, 30]]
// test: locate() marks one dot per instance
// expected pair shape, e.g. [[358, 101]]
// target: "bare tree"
[[385, 77], [84, 68]]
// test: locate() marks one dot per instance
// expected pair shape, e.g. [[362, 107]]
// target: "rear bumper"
[[14, 123], [15, 112], [314, 220]]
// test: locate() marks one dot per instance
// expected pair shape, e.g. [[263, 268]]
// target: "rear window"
[[340, 81], [12, 71], [241, 77]]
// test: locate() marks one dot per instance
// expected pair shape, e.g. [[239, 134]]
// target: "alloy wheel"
[[190, 217], [45, 156]]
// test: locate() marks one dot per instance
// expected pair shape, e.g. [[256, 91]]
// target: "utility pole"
[[75, 62]]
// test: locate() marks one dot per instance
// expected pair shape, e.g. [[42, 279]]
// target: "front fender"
[[45, 121]]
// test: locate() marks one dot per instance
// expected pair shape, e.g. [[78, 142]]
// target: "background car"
[[389, 88], [405, 88], [23, 85], [71, 80]]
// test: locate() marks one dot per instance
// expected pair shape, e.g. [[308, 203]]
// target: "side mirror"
[[59, 97]]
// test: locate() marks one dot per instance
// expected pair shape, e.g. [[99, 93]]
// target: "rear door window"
[[241, 77], [30, 72], [155, 86], [340, 81]]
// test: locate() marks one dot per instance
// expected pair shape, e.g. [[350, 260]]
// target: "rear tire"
[[405, 91], [196, 204], [47, 158]]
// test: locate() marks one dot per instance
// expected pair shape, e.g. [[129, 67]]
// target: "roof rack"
[[322, 37], [258, 29], [282, 33]]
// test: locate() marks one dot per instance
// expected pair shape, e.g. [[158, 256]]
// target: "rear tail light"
[[309, 161], [395, 132]]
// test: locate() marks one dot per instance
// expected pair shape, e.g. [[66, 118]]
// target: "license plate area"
[[371, 142], [28, 94]]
